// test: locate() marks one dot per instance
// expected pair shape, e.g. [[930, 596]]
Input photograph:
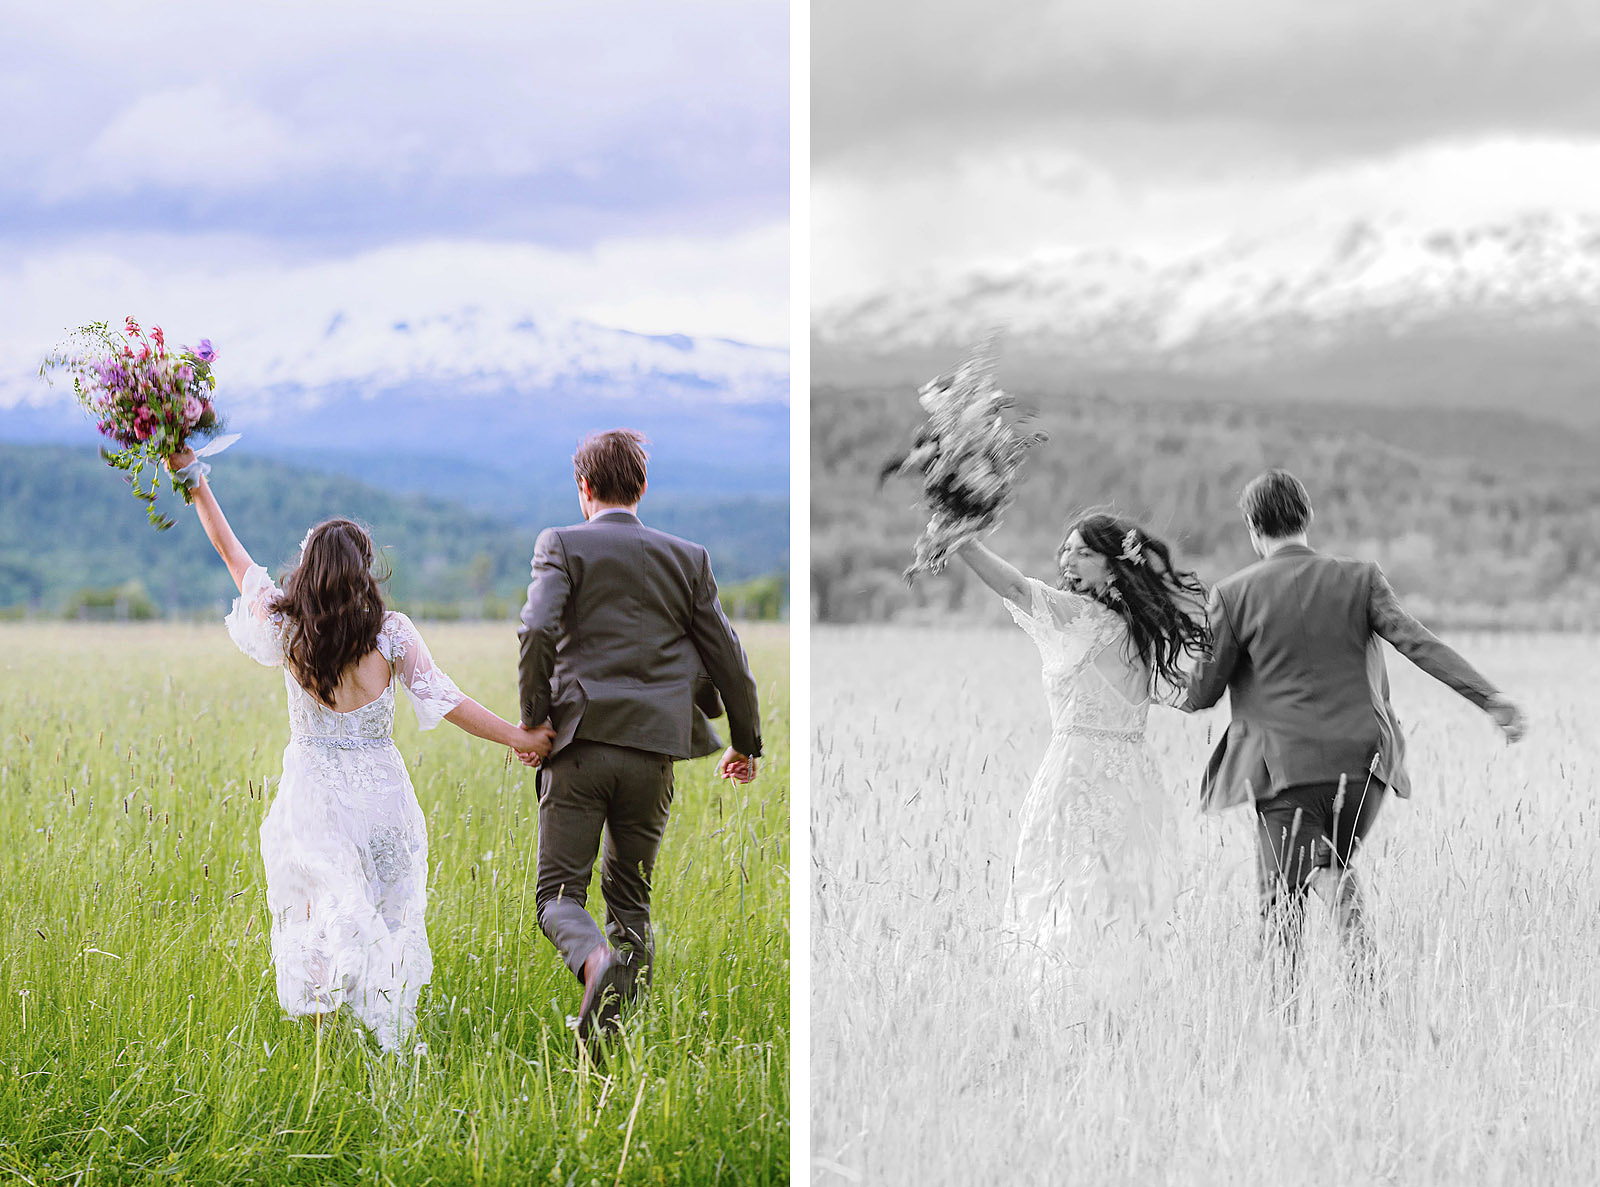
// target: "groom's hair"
[[613, 464], [1276, 505]]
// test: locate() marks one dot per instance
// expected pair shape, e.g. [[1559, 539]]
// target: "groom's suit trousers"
[[1309, 827], [589, 792]]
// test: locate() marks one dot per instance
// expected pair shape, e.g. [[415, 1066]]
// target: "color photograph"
[[394, 594]]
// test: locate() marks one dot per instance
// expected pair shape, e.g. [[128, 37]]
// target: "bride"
[[1095, 857], [344, 843]]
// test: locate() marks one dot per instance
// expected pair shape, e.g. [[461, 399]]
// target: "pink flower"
[[193, 409]]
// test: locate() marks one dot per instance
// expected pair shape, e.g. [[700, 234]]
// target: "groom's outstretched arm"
[[1211, 675], [1391, 621], [724, 661], [540, 631]]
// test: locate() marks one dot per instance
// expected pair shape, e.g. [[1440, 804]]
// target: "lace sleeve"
[[433, 694], [1060, 623], [1049, 612], [254, 628]]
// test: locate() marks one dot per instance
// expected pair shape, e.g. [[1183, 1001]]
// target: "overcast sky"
[[626, 163], [960, 134]]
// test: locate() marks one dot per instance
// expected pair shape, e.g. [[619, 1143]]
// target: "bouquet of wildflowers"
[[150, 400], [967, 452]]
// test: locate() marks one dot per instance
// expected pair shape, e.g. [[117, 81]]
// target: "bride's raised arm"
[[232, 552], [998, 574]]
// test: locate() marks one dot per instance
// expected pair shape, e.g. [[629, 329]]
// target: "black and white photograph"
[[1205, 533]]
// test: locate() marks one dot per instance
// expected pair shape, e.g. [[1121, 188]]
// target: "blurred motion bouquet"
[[967, 453]]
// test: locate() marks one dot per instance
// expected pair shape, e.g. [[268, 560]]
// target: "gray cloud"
[[357, 125], [1307, 80]]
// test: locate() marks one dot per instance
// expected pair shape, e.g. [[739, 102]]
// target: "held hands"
[[1508, 717], [533, 745], [741, 768]]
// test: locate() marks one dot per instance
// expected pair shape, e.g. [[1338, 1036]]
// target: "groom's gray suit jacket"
[[625, 642], [1295, 646]]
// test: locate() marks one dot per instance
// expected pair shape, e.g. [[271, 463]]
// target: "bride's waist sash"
[[1073, 729], [340, 741]]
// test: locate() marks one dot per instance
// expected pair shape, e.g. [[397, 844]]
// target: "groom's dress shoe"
[[606, 979]]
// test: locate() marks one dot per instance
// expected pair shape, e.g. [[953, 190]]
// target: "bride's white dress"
[[1095, 860], [345, 844]]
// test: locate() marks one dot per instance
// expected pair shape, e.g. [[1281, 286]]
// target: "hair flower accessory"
[[1132, 548]]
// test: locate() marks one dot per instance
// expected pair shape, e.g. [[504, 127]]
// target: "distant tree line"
[[74, 544], [1500, 533]]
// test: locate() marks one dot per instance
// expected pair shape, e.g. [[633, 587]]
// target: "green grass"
[[140, 1036], [1481, 1064]]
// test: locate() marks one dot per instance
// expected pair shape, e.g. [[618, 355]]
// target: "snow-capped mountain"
[[307, 353], [1372, 300], [474, 386], [471, 351]]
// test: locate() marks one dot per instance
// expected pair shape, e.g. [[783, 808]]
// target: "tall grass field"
[[140, 1036], [1477, 1062]]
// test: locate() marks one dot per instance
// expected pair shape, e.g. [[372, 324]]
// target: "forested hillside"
[[1481, 517], [67, 523]]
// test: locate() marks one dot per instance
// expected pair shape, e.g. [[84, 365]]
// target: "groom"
[[625, 649], [1313, 743]]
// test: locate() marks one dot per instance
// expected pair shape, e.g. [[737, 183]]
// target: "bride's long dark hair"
[[333, 606], [1163, 605]]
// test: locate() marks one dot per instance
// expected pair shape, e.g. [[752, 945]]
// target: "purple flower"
[[204, 351]]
